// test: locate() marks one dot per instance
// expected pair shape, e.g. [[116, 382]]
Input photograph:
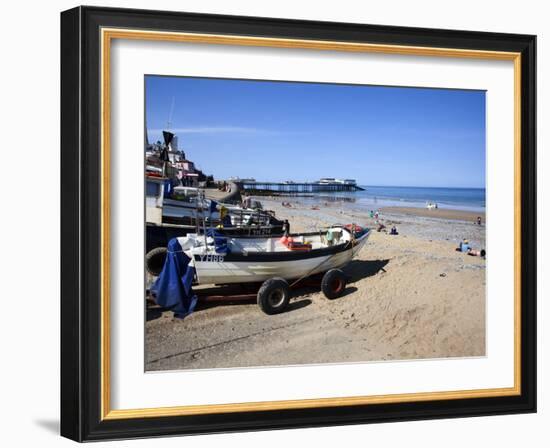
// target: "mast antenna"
[[169, 122]]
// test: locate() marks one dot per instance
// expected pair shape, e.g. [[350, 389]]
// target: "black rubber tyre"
[[273, 296], [333, 283], [154, 260]]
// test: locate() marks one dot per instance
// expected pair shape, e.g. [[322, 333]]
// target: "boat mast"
[[202, 198]]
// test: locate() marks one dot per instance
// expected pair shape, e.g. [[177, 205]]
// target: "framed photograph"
[[274, 223]]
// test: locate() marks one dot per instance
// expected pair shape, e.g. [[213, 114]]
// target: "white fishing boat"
[[183, 211], [225, 260], [276, 263], [183, 206]]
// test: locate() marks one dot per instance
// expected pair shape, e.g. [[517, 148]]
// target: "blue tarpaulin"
[[173, 286]]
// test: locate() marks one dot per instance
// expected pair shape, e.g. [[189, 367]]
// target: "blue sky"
[[276, 131]]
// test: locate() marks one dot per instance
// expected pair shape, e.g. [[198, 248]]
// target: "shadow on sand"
[[155, 312], [292, 306], [360, 269], [296, 305], [356, 270]]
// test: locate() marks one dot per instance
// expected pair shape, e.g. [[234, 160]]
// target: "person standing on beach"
[[247, 201], [286, 227]]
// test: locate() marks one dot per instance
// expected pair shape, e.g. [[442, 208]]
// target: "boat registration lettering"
[[212, 258], [261, 232]]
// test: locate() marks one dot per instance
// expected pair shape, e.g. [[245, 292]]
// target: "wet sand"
[[441, 213], [410, 296]]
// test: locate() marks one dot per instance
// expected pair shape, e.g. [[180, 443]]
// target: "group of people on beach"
[[375, 214], [465, 247]]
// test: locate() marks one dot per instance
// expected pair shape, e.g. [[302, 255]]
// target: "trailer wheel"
[[154, 260], [274, 295], [333, 283]]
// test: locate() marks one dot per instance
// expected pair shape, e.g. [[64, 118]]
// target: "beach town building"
[[187, 173], [175, 164], [333, 180], [237, 179]]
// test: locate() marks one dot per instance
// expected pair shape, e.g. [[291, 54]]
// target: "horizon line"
[[385, 186]]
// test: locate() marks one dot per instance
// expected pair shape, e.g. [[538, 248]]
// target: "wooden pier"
[[295, 187]]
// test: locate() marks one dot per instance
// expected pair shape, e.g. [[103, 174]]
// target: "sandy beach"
[[441, 213], [410, 296]]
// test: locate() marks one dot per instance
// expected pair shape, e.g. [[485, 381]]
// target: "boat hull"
[[228, 269]]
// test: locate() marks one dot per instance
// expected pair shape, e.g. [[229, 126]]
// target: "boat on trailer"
[[183, 209], [224, 260], [186, 209], [275, 263]]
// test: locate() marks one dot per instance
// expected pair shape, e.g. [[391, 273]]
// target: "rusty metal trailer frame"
[[236, 293]]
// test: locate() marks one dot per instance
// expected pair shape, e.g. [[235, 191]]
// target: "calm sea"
[[450, 198]]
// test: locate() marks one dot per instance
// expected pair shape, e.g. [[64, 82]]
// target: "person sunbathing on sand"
[[477, 253], [464, 246]]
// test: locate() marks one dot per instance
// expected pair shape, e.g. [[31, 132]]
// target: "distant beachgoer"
[[393, 231], [372, 214], [376, 215], [380, 227], [477, 253], [479, 220], [286, 227], [464, 246], [225, 219]]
